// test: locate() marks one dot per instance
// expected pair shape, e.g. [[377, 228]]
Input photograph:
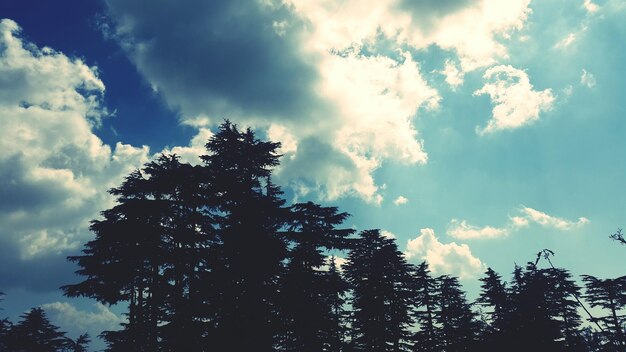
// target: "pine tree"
[[248, 260], [308, 290], [609, 294], [381, 298], [35, 333], [424, 288], [146, 252], [454, 314], [334, 299], [494, 295], [531, 314], [80, 344], [563, 307]]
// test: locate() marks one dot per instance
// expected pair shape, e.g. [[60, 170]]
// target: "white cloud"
[[567, 41], [387, 234], [373, 99], [545, 220], [587, 79], [518, 222], [358, 106], [191, 153], [471, 29], [449, 258], [516, 103], [567, 91], [67, 316], [590, 6], [454, 77], [55, 170], [400, 200], [339, 262], [463, 231]]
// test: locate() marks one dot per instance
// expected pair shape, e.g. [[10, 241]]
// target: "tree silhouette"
[[247, 263], [424, 288], [495, 296], [210, 258], [80, 345], [380, 281], [35, 333], [311, 311], [334, 299], [458, 327], [609, 294], [619, 237]]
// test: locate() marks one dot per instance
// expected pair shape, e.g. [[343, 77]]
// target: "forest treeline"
[[211, 258]]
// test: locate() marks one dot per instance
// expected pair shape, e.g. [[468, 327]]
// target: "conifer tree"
[[334, 299], [146, 252], [310, 293], [381, 298], [247, 262], [424, 288], [494, 295], [455, 316], [35, 333], [80, 344], [563, 307], [609, 294], [532, 314]]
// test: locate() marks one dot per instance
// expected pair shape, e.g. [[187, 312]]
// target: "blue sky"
[[475, 132]]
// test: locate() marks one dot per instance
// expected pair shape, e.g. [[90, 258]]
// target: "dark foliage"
[[210, 258]]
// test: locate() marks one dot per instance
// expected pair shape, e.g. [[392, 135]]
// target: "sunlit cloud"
[[515, 102], [443, 258]]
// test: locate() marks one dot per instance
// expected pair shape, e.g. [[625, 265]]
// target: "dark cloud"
[[16, 193], [218, 57], [43, 274], [433, 8], [318, 166], [426, 13]]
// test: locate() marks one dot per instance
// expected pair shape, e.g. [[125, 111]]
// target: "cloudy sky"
[[476, 132]]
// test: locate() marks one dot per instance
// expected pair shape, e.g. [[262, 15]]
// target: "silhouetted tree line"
[[35, 333], [210, 258]]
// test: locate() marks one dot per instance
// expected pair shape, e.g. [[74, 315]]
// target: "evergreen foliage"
[[211, 258]]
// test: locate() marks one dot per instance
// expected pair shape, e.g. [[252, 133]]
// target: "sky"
[[475, 132]]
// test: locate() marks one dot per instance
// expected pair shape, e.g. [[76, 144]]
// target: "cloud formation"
[[55, 170], [590, 6], [332, 85], [463, 231], [587, 79], [443, 258], [516, 103], [67, 316], [546, 220], [400, 200]]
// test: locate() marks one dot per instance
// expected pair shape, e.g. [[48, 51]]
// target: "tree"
[[334, 299], [424, 288], [561, 300], [381, 298], [247, 261], [494, 295], [609, 294], [545, 306], [454, 314], [146, 252], [311, 295], [80, 344], [5, 329], [35, 333], [618, 236]]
